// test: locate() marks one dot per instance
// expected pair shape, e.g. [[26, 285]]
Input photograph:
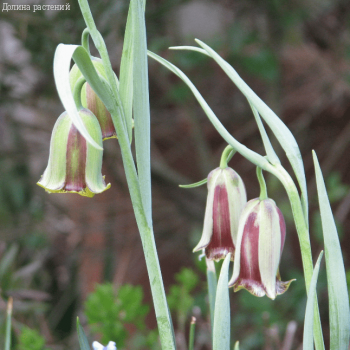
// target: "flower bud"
[[74, 165], [92, 102], [226, 199], [260, 241]]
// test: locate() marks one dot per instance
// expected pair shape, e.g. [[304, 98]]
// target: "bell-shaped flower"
[[260, 242], [92, 102], [74, 165], [225, 201], [110, 346]]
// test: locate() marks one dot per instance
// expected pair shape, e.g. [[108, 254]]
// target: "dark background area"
[[55, 248]]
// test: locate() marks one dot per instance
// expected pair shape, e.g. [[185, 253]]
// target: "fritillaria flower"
[[226, 198], [74, 165], [92, 102], [260, 241], [110, 346]]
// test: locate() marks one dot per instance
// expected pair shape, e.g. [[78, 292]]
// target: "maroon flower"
[[226, 198], [260, 242]]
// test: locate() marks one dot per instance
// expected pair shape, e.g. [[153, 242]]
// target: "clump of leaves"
[[109, 312], [30, 339]]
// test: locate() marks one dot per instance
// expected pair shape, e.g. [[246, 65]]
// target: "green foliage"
[[109, 311], [179, 297], [30, 339]]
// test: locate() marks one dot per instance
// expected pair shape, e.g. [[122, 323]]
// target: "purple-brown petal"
[[96, 106], [221, 241], [76, 161]]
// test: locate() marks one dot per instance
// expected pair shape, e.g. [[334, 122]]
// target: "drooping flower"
[[92, 102], [74, 165], [260, 241], [110, 346], [225, 201]]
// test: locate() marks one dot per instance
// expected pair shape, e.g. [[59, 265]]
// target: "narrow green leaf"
[[236, 345], [270, 152], [212, 285], [196, 184], [126, 74], [61, 66], [246, 152], [339, 314], [192, 331], [282, 133], [83, 341], [8, 324], [309, 313], [221, 331], [141, 106]]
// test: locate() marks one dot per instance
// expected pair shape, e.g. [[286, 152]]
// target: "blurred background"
[[63, 255]]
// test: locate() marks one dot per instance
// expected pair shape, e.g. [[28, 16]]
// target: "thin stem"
[[226, 156], [192, 329], [85, 40], [77, 92], [146, 232], [8, 324], [262, 183], [212, 285]]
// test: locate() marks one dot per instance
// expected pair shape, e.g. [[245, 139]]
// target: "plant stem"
[[226, 156], [262, 183], [77, 92], [304, 241], [192, 329], [8, 324], [146, 231], [85, 40]]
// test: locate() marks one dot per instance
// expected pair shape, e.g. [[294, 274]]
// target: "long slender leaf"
[[221, 331], [282, 133], [126, 74], [141, 106], [83, 341], [252, 156], [309, 313], [339, 314], [236, 347], [212, 285]]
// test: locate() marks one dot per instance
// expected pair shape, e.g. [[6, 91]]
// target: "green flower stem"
[[304, 241], [192, 329], [85, 40], [8, 324], [262, 183], [226, 156], [146, 232], [77, 92], [212, 285]]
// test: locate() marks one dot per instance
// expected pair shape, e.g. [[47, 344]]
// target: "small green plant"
[[30, 339], [111, 312]]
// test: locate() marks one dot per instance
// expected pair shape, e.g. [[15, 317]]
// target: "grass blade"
[[141, 106], [221, 331], [339, 315], [83, 342], [309, 313]]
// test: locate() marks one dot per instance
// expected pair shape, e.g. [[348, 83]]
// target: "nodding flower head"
[[225, 201], [260, 241], [92, 102], [74, 165]]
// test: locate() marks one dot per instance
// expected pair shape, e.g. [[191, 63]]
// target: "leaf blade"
[[83, 342], [221, 331], [309, 313], [339, 313]]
